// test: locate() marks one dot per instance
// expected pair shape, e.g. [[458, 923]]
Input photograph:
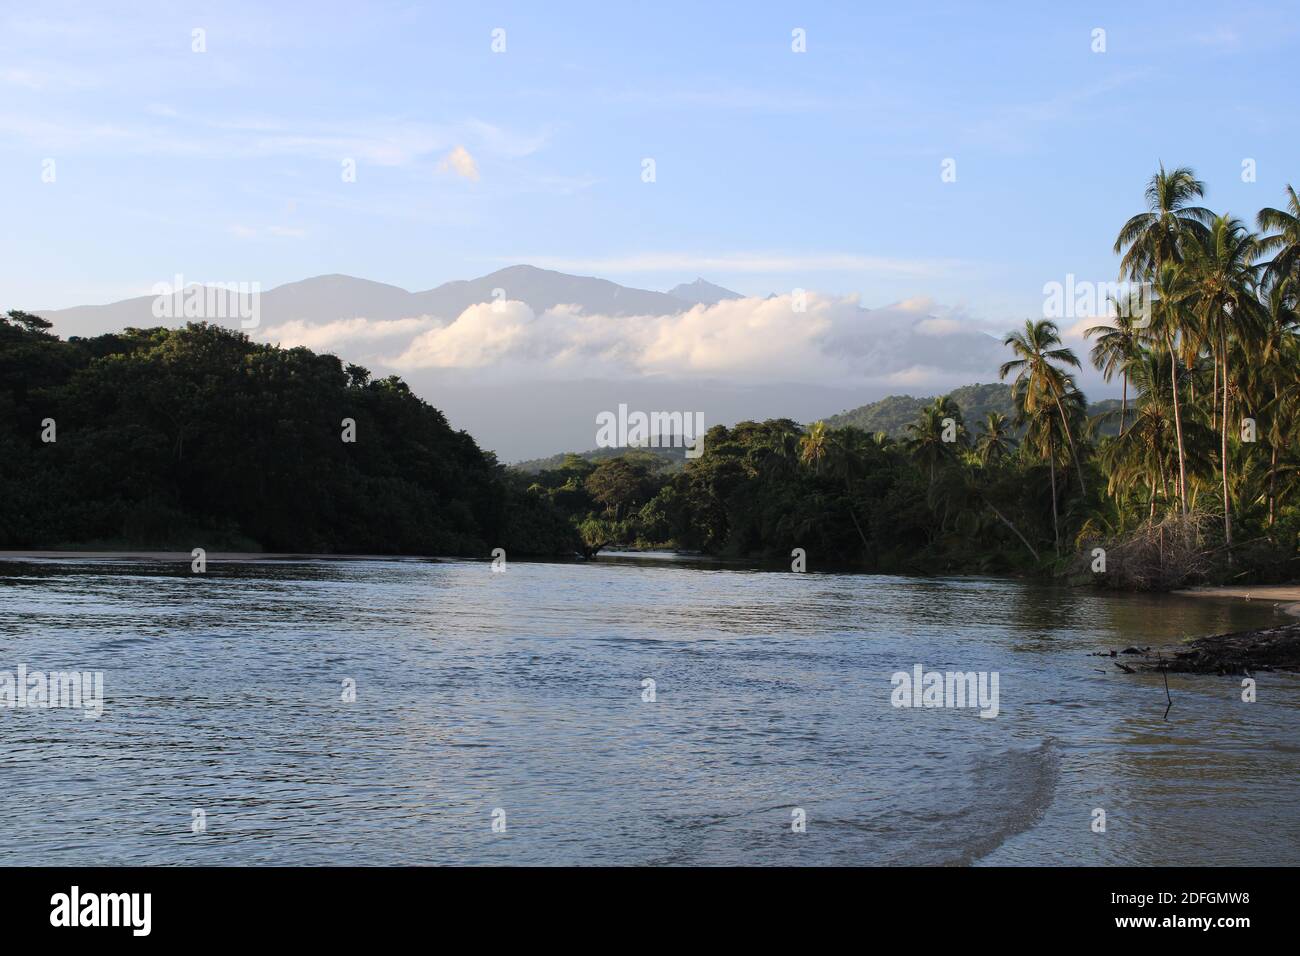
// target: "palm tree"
[[1167, 324], [926, 443], [1040, 440], [1147, 452], [1151, 243], [1037, 347], [779, 453], [995, 440], [846, 458], [1114, 349], [1155, 237], [1223, 274], [814, 446], [1144, 453], [1286, 242], [1278, 360]]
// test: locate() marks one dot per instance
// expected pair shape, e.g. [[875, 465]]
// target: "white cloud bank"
[[832, 342]]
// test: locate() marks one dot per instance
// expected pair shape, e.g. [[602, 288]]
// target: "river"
[[520, 699]]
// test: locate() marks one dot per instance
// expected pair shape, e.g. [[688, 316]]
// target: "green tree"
[[1284, 238], [1223, 272], [1039, 366], [1115, 346], [995, 440]]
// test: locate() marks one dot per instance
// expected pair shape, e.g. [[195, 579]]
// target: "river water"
[[519, 698]]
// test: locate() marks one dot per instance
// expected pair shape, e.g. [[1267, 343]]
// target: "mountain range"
[[333, 297]]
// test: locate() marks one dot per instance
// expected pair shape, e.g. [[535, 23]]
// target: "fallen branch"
[[1269, 649], [1165, 671]]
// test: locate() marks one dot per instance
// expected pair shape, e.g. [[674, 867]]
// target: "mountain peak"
[[702, 292]]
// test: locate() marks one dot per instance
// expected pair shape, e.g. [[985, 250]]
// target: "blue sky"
[[774, 170]]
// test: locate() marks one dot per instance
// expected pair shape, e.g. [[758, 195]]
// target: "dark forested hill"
[[668, 458], [199, 437], [892, 415]]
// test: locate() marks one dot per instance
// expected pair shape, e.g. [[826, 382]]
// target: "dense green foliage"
[[763, 489], [201, 438]]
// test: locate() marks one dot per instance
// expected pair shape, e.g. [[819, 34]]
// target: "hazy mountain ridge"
[[335, 296]]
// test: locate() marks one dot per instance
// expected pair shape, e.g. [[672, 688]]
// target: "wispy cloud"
[[166, 131], [332, 335], [1019, 127], [757, 262], [242, 231]]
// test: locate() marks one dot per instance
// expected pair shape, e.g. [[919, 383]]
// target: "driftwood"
[[1270, 649]]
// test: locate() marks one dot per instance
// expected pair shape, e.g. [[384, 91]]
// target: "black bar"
[[334, 905]]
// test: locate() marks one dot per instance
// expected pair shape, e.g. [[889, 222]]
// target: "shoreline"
[[1285, 597], [222, 556]]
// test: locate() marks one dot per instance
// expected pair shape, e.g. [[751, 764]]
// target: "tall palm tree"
[[1286, 240], [1151, 242], [1038, 351], [1115, 347], [1040, 441], [1223, 273], [1155, 237], [1279, 356], [1167, 323]]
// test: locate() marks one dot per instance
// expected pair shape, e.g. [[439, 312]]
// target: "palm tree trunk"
[[1178, 427], [1056, 531], [1069, 436], [1272, 486], [1123, 407], [1013, 528], [848, 491], [1164, 485], [1227, 509], [1214, 393]]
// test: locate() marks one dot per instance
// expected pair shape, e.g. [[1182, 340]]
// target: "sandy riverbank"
[[1285, 596]]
